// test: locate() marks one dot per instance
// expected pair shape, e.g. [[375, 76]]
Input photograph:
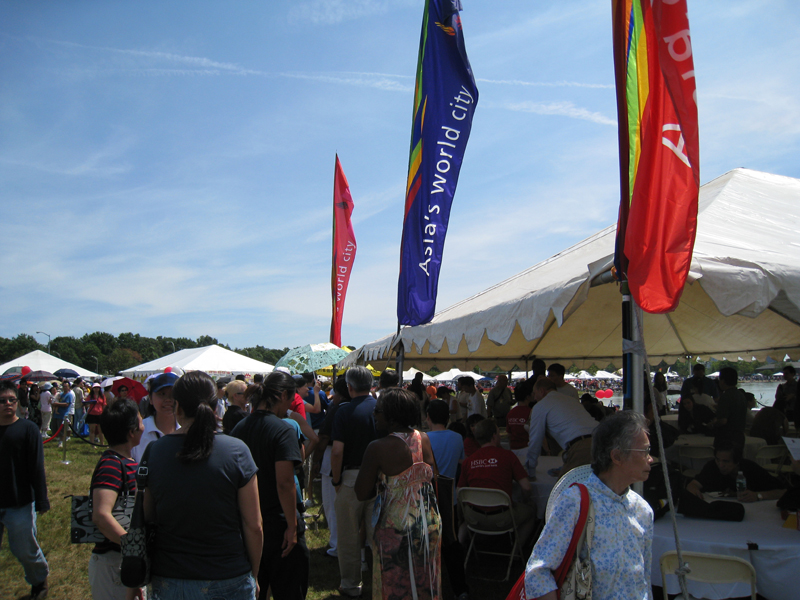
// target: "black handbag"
[[137, 545], [83, 530]]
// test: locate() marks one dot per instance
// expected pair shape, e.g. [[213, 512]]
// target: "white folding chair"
[[690, 454], [709, 568], [576, 475], [472, 501], [772, 458]]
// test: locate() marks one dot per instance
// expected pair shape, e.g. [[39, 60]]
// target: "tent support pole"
[[632, 363], [401, 354]]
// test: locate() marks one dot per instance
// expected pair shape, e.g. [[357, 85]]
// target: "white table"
[[776, 561]]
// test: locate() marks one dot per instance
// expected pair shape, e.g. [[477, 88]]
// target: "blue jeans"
[[238, 588], [21, 525]]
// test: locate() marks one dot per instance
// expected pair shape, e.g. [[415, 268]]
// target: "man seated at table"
[[495, 468], [693, 417], [719, 475]]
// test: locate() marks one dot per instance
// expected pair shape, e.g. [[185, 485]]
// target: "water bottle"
[[741, 484]]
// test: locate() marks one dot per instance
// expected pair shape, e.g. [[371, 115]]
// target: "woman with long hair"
[[202, 494], [95, 403], [273, 443], [406, 545]]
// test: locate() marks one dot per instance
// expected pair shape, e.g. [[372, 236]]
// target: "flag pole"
[[401, 354]]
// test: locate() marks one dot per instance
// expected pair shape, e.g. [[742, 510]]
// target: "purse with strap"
[[82, 529], [574, 575], [137, 545]]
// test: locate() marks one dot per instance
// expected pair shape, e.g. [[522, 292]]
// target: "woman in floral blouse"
[[621, 550]]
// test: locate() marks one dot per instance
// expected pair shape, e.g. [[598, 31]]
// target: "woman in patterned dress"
[[621, 551], [406, 543]]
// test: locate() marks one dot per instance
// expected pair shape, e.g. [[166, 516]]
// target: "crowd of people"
[[231, 468]]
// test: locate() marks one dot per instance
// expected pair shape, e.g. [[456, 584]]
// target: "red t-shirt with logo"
[[515, 426], [491, 467]]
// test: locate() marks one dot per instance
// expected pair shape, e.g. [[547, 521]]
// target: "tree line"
[[104, 353]]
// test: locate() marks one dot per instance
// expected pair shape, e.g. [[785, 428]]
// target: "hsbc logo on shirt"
[[484, 462]]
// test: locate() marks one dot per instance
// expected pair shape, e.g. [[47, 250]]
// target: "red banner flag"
[[659, 149], [344, 249]]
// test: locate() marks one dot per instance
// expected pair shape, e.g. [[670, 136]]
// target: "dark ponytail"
[[193, 392], [266, 394]]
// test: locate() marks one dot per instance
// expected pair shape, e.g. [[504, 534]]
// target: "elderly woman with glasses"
[[621, 551]]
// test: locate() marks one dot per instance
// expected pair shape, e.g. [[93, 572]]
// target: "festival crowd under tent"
[[742, 295], [214, 360], [42, 361]]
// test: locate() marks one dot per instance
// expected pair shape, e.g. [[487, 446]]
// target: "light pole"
[[48, 340], [173, 347], [96, 365], [56, 353]]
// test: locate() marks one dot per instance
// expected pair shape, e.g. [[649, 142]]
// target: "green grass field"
[[69, 562]]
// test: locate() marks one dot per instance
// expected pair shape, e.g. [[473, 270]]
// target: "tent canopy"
[[42, 361], [742, 295], [213, 359], [411, 373]]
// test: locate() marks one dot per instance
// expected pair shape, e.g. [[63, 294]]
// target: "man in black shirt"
[[353, 430], [23, 489], [719, 475]]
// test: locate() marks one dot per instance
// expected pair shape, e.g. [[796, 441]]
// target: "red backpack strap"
[[561, 572], [518, 591]]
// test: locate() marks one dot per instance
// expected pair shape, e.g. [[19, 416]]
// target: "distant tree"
[[121, 359], [67, 347], [16, 347], [206, 340], [105, 342]]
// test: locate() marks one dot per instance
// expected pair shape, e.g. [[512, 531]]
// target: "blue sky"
[[167, 168]]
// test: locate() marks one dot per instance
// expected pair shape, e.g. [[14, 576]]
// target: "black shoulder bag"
[[137, 544]]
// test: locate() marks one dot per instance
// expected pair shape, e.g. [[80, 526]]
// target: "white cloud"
[[564, 109]]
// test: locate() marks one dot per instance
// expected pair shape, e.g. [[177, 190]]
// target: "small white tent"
[[42, 361], [742, 296], [213, 359], [409, 375]]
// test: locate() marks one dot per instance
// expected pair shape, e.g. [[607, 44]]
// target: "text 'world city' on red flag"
[[659, 149], [445, 96], [344, 249]]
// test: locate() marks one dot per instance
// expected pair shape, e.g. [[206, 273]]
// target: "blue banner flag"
[[445, 96]]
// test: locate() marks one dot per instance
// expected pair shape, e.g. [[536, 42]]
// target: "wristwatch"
[[759, 496]]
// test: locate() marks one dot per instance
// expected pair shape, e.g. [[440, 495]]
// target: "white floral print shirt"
[[621, 551]]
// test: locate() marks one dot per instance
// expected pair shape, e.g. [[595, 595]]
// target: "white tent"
[[453, 374], [409, 375], [213, 359], [606, 375], [742, 295], [42, 361]]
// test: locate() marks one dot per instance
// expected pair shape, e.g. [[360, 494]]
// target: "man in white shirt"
[[470, 398], [47, 409], [556, 373], [565, 420]]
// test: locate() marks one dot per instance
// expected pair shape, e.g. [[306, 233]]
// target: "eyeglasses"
[[645, 449], [8, 400]]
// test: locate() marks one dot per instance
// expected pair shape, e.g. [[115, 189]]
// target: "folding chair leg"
[[469, 550]]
